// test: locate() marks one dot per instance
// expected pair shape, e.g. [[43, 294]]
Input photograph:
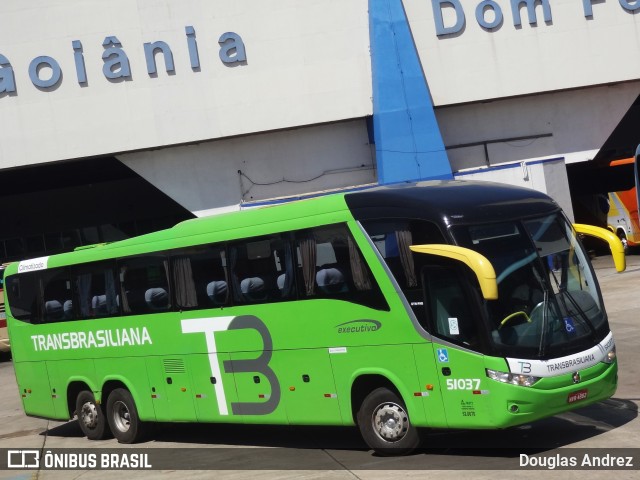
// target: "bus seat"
[[253, 289], [99, 305], [331, 280], [67, 307], [217, 291], [280, 281], [53, 310], [156, 298]]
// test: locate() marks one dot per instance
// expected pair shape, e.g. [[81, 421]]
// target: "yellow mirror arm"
[[480, 265], [617, 249]]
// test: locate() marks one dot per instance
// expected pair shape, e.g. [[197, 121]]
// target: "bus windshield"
[[548, 302]]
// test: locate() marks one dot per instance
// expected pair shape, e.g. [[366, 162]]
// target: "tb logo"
[[525, 367]]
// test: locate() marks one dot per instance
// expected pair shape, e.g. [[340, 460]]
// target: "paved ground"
[[283, 453]]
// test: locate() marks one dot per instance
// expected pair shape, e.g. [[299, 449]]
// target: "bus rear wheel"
[[123, 418], [384, 424], [91, 417]]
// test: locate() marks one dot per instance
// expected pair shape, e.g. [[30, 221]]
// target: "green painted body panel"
[[64, 372], [393, 362], [204, 396], [309, 393], [33, 385], [463, 407], [429, 385], [536, 403], [130, 371], [170, 403]]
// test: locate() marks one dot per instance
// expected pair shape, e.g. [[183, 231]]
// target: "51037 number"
[[463, 384]]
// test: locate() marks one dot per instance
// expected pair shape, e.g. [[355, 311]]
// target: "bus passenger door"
[[429, 381], [455, 324]]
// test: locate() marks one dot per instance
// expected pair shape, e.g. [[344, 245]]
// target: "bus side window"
[[95, 291], [331, 265], [393, 237], [144, 284], [22, 295], [56, 295], [200, 278], [450, 315], [262, 270]]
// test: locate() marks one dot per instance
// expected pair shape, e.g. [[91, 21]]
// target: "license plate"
[[577, 396]]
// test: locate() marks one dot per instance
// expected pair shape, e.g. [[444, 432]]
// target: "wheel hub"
[[391, 422], [89, 415], [121, 416]]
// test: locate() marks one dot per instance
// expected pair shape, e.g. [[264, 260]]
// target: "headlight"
[[512, 378], [610, 357]]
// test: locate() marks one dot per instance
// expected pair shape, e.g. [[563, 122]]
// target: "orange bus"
[[623, 207]]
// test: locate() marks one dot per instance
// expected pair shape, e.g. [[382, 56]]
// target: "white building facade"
[[221, 104]]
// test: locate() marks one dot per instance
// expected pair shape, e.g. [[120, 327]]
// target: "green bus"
[[440, 304]]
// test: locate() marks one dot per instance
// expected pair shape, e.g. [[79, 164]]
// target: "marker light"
[[610, 357], [512, 378]]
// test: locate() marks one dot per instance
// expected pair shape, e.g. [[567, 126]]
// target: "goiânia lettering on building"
[[113, 337], [116, 65]]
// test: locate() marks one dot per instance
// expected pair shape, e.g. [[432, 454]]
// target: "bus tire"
[[123, 418], [91, 417], [384, 424], [623, 238]]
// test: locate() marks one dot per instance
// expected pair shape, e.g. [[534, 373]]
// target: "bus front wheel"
[[384, 424], [91, 417], [122, 416]]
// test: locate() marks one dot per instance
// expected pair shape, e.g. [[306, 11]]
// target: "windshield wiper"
[[543, 332], [562, 292]]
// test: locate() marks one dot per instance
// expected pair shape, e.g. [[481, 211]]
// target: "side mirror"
[[617, 249], [480, 265]]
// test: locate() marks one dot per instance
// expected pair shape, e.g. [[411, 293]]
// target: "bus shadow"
[[547, 434], [346, 445], [70, 429], [305, 437], [299, 437]]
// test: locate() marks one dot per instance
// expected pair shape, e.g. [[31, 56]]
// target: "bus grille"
[[173, 365]]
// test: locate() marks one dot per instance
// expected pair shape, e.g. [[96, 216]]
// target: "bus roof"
[[211, 229], [445, 202], [450, 201]]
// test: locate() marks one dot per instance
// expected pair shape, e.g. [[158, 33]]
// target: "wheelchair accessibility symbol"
[[443, 355], [569, 326]]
